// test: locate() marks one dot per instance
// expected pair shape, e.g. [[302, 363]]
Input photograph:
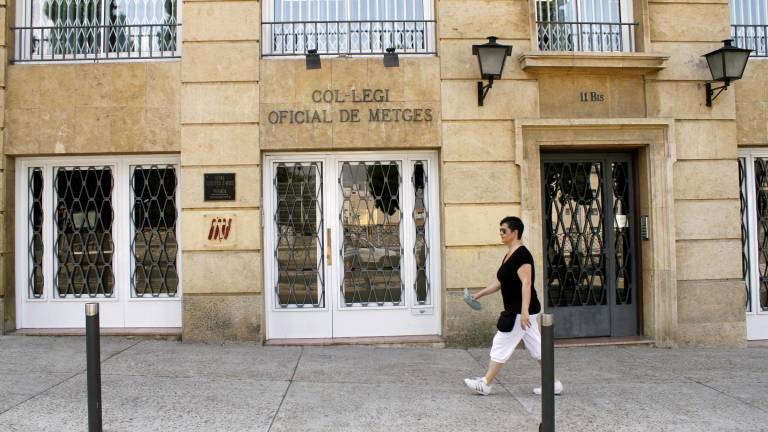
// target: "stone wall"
[[710, 294], [222, 281], [752, 105], [6, 250]]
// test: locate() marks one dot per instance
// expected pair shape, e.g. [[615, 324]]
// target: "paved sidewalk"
[[151, 385]]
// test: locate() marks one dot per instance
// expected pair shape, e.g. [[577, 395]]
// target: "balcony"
[[349, 37], [95, 30], [586, 36], [753, 37]]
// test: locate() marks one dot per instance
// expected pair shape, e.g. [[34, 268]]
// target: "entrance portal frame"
[[653, 142]]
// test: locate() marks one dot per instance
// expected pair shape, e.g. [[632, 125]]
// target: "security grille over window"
[[84, 244], [348, 27], [745, 235], [54, 30], [154, 245], [623, 248], [299, 221], [36, 232], [755, 234], [370, 215], [585, 25], [749, 25], [421, 222]]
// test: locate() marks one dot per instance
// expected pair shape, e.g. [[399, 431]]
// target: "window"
[[585, 25], [87, 221], [749, 25], [54, 30], [293, 27]]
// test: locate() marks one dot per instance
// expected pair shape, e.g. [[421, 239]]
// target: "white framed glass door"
[[753, 178], [98, 229], [349, 241]]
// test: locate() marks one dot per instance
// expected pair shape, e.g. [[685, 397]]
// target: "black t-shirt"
[[512, 286]]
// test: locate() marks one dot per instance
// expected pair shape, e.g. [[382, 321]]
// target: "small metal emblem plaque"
[[219, 186]]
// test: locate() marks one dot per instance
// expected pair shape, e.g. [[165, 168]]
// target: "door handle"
[[329, 247]]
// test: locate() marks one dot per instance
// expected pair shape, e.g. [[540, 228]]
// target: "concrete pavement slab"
[[16, 387], [416, 406], [754, 393], [703, 364], [176, 359], [653, 407], [134, 403], [53, 354], [433, 367]]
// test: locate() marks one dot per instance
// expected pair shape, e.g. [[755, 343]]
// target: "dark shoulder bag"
[[506, 321]]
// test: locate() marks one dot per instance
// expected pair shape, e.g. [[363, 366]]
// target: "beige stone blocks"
[[125, 107], [476, 19], [220, 103], [708, 179], [561, 96], [220, 62], [219, 318], [220, 144], [686, 100], [689, 22], [458, 62], [480, 182], [471, 267], [752, 123], [724, 334], [247, 186], [508, 99], [222, 21], [707, 219], [245, 232], [714, 301], [222, 272], [478, 141], [686, 61], [475, 225], [708, 259], [464, 326], [705, 139]]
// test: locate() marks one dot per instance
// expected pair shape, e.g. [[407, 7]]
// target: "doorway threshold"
[[171, 333], [433, 341], [603, 341]]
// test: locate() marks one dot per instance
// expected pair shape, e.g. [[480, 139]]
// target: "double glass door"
[[349, 245]]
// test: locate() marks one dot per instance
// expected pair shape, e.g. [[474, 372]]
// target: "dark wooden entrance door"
[[590, 272]]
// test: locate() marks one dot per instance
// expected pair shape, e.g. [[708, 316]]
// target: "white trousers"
[[504, 343]]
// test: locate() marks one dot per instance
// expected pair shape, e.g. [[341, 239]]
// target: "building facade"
[[268, 170]]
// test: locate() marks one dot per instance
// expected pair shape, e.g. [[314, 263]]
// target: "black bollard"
[[93, 362], [547, 373]]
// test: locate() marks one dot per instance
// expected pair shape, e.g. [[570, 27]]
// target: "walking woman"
[[517, 322]]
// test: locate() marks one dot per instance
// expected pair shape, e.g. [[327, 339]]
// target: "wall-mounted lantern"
[[491, 57], [313, 59], [726, 64]]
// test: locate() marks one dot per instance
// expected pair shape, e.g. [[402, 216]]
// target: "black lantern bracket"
[[711, 95], [491, 56]]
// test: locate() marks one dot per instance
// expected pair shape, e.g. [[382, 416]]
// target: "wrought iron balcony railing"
[[754, 37], [586, 36], [348, 37], [96, 42]]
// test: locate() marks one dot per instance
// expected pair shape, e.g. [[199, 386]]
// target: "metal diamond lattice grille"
[[36, 232], [745, 255], [576, 266], [370, 216], [761, 202], [622, 236], [421, 251], [299, 222], [154, 244], [84, 242]]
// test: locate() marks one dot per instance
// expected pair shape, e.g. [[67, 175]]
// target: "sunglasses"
[[503, 231]]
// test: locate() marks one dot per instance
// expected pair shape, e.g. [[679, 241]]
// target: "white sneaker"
[[479, 385], [558, 388]]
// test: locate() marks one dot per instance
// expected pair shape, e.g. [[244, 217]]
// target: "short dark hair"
[[514, 223]]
